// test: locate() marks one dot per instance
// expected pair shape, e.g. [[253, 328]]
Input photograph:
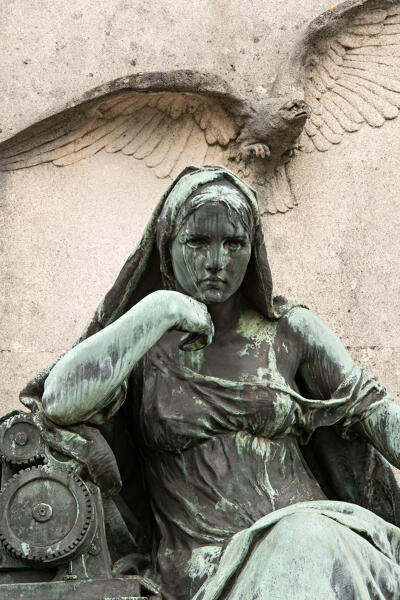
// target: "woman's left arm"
[[324, 366], [382, 429]]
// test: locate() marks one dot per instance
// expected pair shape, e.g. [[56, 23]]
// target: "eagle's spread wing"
[[157, 122], [168, 120], [352, 68]]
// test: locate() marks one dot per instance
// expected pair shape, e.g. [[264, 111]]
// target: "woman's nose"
[[215, 259]]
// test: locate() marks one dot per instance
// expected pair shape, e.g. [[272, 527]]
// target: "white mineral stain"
[[255, 328], [262, 374], [202, 561], [198, 400], [25, 548], [260, 446], [259, 332], [268, 486]]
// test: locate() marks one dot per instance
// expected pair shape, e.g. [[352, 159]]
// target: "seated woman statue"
[[254, 454]]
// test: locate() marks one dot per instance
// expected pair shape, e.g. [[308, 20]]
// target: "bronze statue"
[[204, 439], [252, 450]]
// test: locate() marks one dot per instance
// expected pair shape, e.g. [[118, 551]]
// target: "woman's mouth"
[[211, 282]]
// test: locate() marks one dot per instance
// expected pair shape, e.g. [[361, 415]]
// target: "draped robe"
[[240, 489]]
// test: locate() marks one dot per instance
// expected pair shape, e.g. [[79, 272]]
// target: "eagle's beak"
[[298, 109]]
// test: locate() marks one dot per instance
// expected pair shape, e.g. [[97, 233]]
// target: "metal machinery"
[[53, 542]]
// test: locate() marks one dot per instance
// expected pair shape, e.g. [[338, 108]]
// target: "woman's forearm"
[[83, 379], [382, 429]]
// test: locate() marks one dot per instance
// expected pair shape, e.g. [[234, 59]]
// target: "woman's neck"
[[225, 315]]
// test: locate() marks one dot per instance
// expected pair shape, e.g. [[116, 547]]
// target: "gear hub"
[[20, 442]]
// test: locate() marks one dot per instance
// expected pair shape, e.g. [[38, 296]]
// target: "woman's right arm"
[[83, 380]]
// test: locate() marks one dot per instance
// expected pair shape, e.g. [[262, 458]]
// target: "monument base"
[[123, 588]]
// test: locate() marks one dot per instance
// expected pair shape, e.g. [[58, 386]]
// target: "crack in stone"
[[375, 347], [31, 350]]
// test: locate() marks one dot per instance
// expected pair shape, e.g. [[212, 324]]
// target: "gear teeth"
[[74, 484]]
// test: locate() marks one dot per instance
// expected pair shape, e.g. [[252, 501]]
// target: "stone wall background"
[[66, 232]]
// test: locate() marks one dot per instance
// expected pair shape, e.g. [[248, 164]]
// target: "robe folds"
[[249, 490], [232, 491]]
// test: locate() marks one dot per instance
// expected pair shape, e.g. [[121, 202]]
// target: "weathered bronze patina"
[[253, 454]]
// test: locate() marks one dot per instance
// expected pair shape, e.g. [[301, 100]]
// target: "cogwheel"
[[48, 516], [20, 442]]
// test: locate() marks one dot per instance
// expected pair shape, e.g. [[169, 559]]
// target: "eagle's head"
[[277, 116], [271, 130], [295, 111]]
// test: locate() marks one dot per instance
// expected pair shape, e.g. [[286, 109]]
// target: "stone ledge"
[[89, 589]]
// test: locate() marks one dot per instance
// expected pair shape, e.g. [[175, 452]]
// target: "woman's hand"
[[192, 316]]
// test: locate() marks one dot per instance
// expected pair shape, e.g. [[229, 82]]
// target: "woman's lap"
[[317, 550], [307, 557]]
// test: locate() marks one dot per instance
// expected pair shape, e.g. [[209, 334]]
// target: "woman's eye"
[[196, 242], [233, 244]]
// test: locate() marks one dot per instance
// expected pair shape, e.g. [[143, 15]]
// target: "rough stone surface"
[[65, 232], [55, 52]]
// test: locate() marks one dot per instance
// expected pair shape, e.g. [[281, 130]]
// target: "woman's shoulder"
[[282, 306], [292, 316], [297, 320], [315, 339]]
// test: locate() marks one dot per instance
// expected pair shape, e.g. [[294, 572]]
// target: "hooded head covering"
[[148, 268]]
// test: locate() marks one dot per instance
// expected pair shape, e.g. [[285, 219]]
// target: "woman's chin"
[[213, 296]]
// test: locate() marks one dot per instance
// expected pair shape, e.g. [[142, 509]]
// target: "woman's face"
[[211, 252]]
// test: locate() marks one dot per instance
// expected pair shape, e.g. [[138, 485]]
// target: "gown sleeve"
[[343, 393], [353, 400]]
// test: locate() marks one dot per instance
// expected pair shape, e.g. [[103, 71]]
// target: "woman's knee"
[[303, 531]]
